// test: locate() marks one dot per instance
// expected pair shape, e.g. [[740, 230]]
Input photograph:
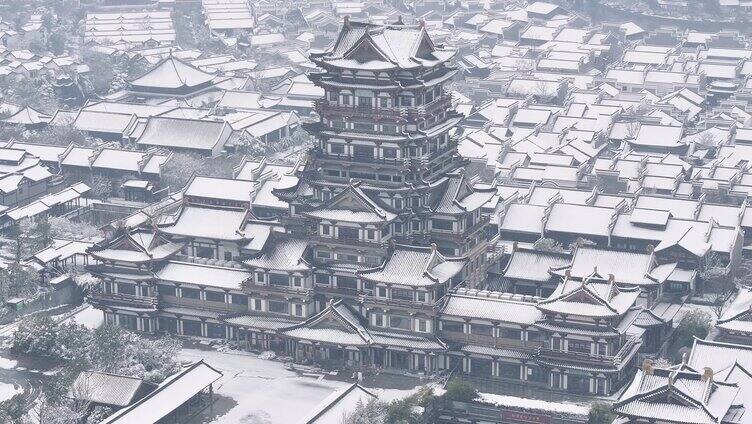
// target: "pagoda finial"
[[347, 21], [422, 23], [399, 20]]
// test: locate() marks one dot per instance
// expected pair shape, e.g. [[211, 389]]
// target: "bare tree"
[[633, 128], [719, 299], [706, 139]]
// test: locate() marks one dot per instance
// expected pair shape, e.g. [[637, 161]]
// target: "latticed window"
[[402, 294]]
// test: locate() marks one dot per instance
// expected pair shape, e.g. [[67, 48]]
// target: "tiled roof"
[[259, 322], [590, 298], [667, 394], [184, 133], [27, 116], [205, 222], [496, 352], [203, 275], [492, 309], [137, 247], [219, 188], [414, 266], [736, 316], [626, 267], [458, 197], [534, 265], [107, 389], [175, 390], [283, 254], [352, 205], [172, 73], [389, 46]]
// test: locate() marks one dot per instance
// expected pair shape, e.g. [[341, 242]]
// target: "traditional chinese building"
[[346, 258]]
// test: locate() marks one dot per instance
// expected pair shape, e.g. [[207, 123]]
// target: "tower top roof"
[[362, 45]]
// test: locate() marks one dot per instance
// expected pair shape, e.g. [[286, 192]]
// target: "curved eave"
[[379, 65], [582, 313], [237, 238], [414, 283], [107, 258]]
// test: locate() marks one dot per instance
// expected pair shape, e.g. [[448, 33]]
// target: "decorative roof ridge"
[[354, 187], [332, 308], [435, 258]]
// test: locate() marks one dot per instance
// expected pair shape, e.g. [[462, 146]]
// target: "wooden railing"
[[102, 298], [443, 101], [625, 352], [167, 301], [250, 285], [490, 341], [406, 304]]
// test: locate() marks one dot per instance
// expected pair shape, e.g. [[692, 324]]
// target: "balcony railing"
[[251, 286], [461, 235], [624, 354], [414, 162], [490, 341], [167, 301], [406, 304], [352, 242], [339, 291], [442, 102], [102, 298], [318, 153]]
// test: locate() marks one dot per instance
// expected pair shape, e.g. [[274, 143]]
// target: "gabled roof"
[[491, 306], [172, 73], [336, 324], [27, 116], [381, 47], [719, 355], [340, 403], [677, 394], [352, 205], [281, 254], [414, 266], [138, 246], [534, 265], [168, 396], [737, 315], [626, 267], [108, 389], [691, 239], [205, 222], [590, 297], [458, 197], [339, 324]]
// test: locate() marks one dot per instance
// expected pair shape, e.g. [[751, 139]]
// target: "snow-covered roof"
[[491, 306], [168, 396], [172, 73], [203, 275], [382, 47], [414, 267]]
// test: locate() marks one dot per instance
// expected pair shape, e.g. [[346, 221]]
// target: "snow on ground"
[[531, 404], [258, 388], [254, 390], [7, 364], [8, 390], [534, 404], [87, 316]]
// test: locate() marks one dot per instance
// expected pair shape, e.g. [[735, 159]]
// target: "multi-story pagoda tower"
[[385, 171], [382, 224]]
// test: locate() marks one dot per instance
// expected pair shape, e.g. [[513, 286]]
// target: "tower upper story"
[[385, 106]]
